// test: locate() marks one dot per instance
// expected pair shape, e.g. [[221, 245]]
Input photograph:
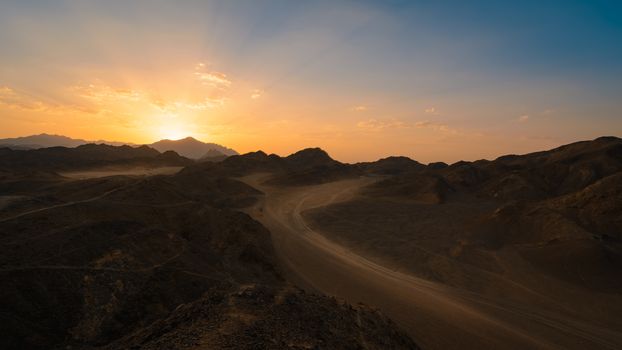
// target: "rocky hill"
[[522, 228], [305, 167]]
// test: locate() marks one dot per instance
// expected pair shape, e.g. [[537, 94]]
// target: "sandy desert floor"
[[97, 173], [436, 315]]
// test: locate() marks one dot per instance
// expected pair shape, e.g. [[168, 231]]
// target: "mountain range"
[[187, 147], [46, 140]]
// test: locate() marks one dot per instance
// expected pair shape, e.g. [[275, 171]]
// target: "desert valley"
[[310, 175], [262, 251]]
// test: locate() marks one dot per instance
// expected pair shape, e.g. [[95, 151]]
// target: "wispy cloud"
[[547, 112], [523, 118], [359, 108], [431, 111], [9, 98], [101, 93], [211, 78], [110, 97], [393, 123], [255, 94], [378, 125], [201, 105]]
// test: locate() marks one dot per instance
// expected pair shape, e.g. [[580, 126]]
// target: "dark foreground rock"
[[261, 317]]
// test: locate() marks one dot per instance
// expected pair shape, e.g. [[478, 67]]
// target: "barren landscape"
[[310, 175], [499, 313], [304, 251]]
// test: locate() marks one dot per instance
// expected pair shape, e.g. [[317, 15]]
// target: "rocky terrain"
[[153, 262], [305, 167], [519, 230], [526, 248], [260, 317]]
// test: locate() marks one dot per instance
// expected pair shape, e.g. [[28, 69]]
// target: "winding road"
[[436, 316]]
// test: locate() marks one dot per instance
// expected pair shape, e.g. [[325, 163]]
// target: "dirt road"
[[436, 316]]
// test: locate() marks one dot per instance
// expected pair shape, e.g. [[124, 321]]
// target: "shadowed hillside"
[[521, 229], [155, 262], [306, 167]]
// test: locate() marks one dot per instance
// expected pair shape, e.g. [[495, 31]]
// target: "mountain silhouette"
[[46, 140], [191, 148]]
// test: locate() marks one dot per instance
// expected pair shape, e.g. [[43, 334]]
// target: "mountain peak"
[[185, 139], [191, 147]]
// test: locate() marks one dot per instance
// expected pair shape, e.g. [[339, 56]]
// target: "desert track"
[[436, 316]]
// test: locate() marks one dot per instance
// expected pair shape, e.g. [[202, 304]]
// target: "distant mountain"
[[46, 140], [188, 147], [191, 148]]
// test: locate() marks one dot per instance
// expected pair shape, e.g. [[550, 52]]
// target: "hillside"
[[519, 230], [155, 262], [308, 166]]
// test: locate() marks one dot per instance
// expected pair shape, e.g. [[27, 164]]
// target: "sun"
[[173, 131]]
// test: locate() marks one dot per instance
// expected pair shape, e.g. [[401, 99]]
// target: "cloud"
[[423, 124], [523, 118], [5, 90], [101, 93], [379, 125], [359, 108], [12, 99], [547, 112], [431, 110], [118, 98], [433, 125], [200, 105], [211, 78], [255, 94]]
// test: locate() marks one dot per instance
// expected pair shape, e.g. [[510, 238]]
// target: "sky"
[[431, 80]]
